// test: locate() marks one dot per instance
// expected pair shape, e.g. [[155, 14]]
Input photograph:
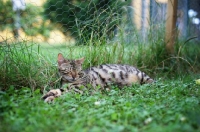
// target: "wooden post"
[[171, 25]]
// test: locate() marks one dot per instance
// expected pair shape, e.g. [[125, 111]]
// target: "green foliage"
[[32, 22], [171, 105], [6, 17], [87, 19]]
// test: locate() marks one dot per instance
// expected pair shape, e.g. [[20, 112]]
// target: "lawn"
[[170, 104]]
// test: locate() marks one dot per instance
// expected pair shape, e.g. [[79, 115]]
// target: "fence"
[[77, 21]]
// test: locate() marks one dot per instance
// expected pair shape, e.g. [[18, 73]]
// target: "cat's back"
[[117, 73]]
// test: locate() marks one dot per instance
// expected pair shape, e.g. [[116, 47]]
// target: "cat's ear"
[[61, 59], [80, 61]]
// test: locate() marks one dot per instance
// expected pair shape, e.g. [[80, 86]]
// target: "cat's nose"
[[73, 77]]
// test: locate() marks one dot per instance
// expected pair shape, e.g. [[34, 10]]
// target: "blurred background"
[[76, 21]]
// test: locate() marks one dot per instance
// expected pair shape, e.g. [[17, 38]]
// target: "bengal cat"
[[74, 78]]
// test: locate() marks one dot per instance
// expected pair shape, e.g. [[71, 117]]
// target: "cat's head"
[[70, 70]]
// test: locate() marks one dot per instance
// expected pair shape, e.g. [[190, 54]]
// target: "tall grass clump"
[[155, 58], [23, 66], [188, 55]]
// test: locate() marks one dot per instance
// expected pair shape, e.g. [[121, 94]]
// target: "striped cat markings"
[[74, 78]]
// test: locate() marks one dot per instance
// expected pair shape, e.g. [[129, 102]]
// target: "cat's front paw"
[[51, 95]]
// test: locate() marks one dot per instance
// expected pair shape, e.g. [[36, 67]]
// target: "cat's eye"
[[66, 72], [80, 74], [62, 70]]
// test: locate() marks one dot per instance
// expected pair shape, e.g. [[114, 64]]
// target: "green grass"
[[23, 66], [165, 106]]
